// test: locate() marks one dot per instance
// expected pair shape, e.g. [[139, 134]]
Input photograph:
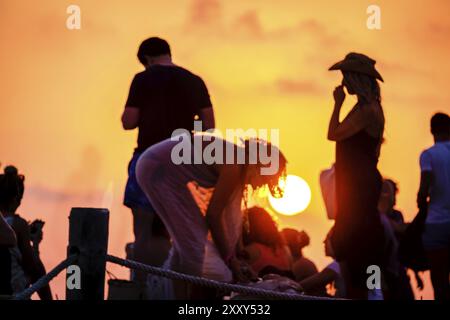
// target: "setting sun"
[[296, 198]]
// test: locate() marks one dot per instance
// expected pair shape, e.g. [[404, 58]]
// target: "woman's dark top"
[[358, 237]]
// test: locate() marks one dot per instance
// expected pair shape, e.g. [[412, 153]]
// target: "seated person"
[[264, 247], [331, 275], [302, 267]]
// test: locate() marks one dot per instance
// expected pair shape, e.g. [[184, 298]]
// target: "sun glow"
[[296, 196]]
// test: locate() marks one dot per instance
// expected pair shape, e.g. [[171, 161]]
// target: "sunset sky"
[[265, 64]]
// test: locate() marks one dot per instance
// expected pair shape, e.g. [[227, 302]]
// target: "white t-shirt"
[[437, 160]]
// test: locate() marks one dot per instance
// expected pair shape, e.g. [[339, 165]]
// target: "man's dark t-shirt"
[[168, 98]]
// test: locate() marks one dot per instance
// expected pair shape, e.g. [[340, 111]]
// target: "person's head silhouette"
[[440, 127], [153, 51]]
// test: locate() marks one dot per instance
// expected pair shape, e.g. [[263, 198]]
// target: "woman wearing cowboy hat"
[[358, 237]]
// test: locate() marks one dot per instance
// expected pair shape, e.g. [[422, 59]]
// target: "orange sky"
[[265, 64]]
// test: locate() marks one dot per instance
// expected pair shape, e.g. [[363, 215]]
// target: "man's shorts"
[[134, 196], [436, 236]]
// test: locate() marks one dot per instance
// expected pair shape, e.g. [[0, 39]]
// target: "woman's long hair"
[[366, 88], [272, 180], [272, 184], [262, 229]]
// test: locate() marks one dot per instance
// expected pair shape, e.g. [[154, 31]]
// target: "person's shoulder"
[[304, 262], [141, 74], [138, 77], [428, 151], [188, 73], [334, 266], [20, 224]]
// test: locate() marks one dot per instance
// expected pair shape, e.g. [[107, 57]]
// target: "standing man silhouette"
[[434, 195], [162, 98]]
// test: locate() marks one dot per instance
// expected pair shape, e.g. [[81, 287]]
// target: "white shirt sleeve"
[[425, 161]]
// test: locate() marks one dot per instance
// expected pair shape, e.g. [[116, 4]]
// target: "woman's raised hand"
[[339, 95]]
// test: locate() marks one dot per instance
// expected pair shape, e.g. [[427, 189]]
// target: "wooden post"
[[88, 237]]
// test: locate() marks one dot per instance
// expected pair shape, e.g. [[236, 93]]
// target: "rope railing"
[[211, 283], [45, 280], [88, 235], [173, 275]]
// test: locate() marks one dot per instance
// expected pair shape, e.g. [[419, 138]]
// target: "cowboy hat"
[[360, 63]]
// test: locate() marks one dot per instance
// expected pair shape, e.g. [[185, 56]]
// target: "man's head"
[[440, 126], [153, 51]]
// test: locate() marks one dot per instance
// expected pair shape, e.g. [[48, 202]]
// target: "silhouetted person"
[[330, 275], [163, 98], [358, 234], [396, 281], [200, 204], [264, 245], [395, 216], [302, 267], [26, 266], [434, 192]]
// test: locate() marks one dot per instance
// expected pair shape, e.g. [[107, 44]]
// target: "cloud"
[[204, 13], [249, 24], [297, 86], [397, 68], [208, 15], [46, 194]]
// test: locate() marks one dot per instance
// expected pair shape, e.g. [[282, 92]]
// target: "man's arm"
[[318, 280], [207, 117], [130, 118], [424, 189], [426, 177], [204, 105]]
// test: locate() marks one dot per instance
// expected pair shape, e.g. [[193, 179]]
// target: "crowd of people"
[[192, 217]]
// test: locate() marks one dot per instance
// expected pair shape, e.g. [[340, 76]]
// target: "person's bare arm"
[[7, 235], [424, 189], [228, 180], [207, 117], [32, 264], [130, 118], [318, 280], [355, 121]]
